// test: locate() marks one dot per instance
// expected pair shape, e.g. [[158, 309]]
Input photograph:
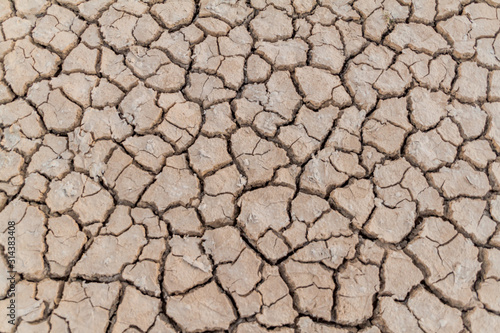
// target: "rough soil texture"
[[250, 166]]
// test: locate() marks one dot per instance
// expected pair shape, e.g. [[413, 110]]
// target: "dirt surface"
[[250, 166]]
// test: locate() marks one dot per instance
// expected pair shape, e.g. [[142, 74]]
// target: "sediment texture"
[[251, 166]]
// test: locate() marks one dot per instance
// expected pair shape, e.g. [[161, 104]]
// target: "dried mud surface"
[[251, 166]]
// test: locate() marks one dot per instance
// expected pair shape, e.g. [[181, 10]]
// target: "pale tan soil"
[[250, 166]]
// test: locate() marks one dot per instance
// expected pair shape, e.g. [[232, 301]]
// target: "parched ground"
[[315, 166]]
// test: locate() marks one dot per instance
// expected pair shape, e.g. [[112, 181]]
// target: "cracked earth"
[[254, 166]]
